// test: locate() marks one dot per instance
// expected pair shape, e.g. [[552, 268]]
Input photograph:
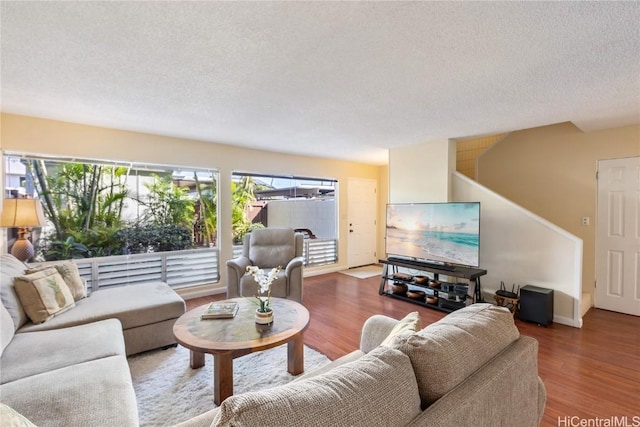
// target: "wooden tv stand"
[[472, 275]]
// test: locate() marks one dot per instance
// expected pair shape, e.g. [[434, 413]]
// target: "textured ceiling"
[[343, 80]]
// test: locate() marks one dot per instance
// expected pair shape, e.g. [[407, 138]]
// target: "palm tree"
[[208, 196], [80, 199], [242, 193]]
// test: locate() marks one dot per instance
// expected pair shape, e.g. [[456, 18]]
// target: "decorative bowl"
[[399, 288], [418, 295]]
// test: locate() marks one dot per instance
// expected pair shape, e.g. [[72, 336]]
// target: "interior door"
[[618, 236], [362, 208]]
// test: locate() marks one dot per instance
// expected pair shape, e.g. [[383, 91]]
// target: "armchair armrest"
[[375, 330], [293, 271], [239, 264], [294, 263], [236, 268]]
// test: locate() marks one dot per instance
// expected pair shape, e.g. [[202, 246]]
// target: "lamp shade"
[[22, 213]]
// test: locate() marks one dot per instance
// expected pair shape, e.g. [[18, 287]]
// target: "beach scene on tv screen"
[[446, 232]]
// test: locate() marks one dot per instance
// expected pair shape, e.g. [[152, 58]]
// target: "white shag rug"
[[169, 391], [364, 272]]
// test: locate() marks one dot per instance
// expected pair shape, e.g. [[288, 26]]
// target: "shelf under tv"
[[392, 264], [418, 263]]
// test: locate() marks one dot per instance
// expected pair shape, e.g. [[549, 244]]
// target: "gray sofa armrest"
[[506, 391], [375, 330], [236, 268]]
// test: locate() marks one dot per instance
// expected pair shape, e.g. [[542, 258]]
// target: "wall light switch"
[[585, 221]]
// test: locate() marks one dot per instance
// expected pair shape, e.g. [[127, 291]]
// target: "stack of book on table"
[[220, 310]]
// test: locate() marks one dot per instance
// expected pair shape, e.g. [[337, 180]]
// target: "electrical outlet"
[[585, 221]]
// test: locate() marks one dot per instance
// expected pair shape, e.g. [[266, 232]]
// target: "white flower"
[[264, 283]]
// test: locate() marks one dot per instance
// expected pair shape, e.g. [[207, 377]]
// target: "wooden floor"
[[592, 372]]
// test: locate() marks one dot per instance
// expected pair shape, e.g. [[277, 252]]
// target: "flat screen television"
[[447, 233]]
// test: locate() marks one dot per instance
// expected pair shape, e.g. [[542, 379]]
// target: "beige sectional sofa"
[[472, 368], [72, 369]]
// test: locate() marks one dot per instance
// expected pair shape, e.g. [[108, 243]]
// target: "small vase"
[[264, 318]]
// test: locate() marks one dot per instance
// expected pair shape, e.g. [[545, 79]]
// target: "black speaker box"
[[536, 305]]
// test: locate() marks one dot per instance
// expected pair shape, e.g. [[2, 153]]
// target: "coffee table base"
[[222, 377], [223, 367], [196, 359], [295, 356]]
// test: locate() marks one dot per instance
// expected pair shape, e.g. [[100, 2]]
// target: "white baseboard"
[[316, 271]]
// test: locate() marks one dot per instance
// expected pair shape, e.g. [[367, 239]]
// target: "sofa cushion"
[[7, 329], [10, 267], [406, 326], [43, 294], [134, 305], [317, 401], [11, 418], [446, 352], [50, 350], [70, 274], [96, 393]]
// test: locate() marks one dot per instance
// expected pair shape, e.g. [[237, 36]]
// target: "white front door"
[[362, 208], [618, 236]]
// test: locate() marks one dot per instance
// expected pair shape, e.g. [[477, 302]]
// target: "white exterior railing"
[[178, 269], [320, 252]]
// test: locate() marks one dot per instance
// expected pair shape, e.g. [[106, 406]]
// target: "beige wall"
[[422, 172], [551, 171], [468, 150], [55, 138]]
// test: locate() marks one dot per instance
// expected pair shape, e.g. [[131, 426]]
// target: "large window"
[[99, 210], [306, 204]]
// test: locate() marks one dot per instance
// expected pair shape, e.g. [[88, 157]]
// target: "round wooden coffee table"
[[227, 339]]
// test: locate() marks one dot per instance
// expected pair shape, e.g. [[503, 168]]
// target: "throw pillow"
[[10, 267], [348, 395], [70, 274], [408, 325], [43, 294], [11, 418]]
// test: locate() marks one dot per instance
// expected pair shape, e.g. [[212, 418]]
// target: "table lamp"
[[22, 214]]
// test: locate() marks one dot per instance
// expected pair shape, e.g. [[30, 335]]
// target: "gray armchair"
[[268, 248]]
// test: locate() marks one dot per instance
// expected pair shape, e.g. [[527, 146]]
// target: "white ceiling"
[[344, 80]]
